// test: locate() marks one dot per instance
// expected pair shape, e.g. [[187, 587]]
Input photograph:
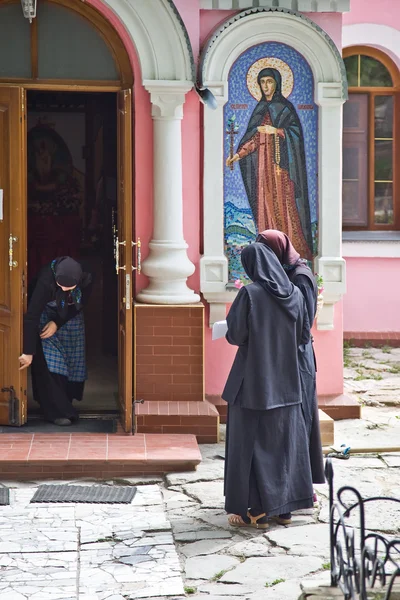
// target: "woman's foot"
[[258, 522], [315, 500], [284, 519], [62, 422]]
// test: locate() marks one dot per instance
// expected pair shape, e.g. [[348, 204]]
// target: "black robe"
[[301, 276], [267, 464]]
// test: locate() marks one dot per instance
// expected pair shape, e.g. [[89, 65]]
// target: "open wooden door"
[[123, 256], [12, 253]]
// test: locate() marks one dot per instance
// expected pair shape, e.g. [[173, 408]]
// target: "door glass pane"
[[383, 116], [374, 73], [15, 42], [351, 64], [355, 161], [383, 160], [383, 208], [70, 48]]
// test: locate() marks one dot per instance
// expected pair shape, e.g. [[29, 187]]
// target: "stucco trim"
[[303, 5], [230, 40], [159, 36], [361, 34]]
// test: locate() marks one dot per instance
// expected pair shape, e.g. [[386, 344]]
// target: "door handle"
[[11, 241], [138, 267], [117, 245]]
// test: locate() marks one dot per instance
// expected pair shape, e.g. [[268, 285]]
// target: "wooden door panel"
[[12, 266], [124, 241]]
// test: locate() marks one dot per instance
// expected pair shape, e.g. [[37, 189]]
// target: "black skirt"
[[267, 463]]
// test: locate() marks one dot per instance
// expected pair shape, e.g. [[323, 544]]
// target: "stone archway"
[[231, 39]]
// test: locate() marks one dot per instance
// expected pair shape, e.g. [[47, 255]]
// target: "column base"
[[168, 268]]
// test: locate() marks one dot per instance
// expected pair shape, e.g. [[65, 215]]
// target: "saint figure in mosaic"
[[272, 160]]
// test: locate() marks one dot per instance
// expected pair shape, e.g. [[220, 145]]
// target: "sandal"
[[238, 521]]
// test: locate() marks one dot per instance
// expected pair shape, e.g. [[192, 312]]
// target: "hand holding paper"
[[219, 330]]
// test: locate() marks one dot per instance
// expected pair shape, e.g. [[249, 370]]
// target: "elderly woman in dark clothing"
[[267, 466], [302, 277], [54, 338]]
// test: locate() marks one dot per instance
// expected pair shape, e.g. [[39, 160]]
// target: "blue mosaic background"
[[240, 228]]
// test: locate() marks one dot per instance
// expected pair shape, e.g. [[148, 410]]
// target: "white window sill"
[[371, 244]]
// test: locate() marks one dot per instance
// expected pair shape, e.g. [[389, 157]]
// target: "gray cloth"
[[268, 322], [267, 466]]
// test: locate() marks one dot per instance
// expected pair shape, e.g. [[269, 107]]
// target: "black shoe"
[[62, 422], [284, 519]]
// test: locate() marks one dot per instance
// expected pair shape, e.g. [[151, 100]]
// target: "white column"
[[167, 264], [331, 265], [214, 264]]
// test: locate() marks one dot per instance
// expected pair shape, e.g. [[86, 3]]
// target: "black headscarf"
[[68, 273], [263, 267]]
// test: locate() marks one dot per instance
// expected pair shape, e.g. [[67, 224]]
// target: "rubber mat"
[[4, 496], [93, 494]]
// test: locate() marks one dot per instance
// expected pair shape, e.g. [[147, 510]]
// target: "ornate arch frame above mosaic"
[[312, 103], [274, 184]]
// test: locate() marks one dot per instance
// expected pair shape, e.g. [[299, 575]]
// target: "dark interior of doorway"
[[72, 211]]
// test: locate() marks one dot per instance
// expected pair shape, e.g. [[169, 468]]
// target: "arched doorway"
[[66, 181]]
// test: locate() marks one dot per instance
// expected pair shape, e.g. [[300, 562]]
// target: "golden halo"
[[269, 63]]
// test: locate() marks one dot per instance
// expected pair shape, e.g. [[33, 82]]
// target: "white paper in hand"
[[219, 330]]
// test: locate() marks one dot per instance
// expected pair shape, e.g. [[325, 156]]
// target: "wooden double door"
[[13, 254]]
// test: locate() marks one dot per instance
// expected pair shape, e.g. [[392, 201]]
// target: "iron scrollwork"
[[357, 565]]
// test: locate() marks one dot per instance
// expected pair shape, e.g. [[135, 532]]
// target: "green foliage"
[[190, 590], [275, 582], [218, 575]]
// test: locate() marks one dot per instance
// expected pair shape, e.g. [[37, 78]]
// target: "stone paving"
[[174, 540]]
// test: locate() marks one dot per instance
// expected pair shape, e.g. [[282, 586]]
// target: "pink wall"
[[384, 12], [372, 307]]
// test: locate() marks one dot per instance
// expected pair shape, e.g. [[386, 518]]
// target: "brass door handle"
[[11, 241], [138, 267], [117, 245]]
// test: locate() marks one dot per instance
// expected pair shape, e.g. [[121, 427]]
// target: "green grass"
[[367, 354], [190, 590], [395, 368], [218, 575], [326, 566], [275, 582], [386, 349]]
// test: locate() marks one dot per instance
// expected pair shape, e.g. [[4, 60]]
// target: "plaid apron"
[[65, 350]]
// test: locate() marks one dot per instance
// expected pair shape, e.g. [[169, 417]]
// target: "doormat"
[[81, 426], [92, 494], [4, 496]]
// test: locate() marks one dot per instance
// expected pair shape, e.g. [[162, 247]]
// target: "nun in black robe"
[[56, 299], [302, 277], [267, 465]]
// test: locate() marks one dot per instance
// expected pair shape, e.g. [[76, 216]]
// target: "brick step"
[[340, 407], [26, 456], [326, 422], [198, 418], [376, 339]]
